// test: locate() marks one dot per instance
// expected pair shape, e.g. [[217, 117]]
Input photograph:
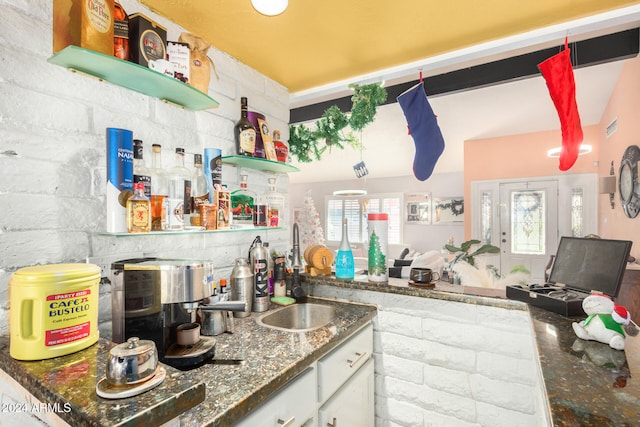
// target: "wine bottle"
[[159, 190], [140, 171], [179, 193], [345, 268], [245, 132], [199, 192]]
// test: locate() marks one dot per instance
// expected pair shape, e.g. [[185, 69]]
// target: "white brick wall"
[[52, 150], [444, 363]]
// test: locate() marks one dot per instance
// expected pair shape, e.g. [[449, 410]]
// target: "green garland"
[[306, 144]]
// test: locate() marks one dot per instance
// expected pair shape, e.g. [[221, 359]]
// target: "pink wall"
[[524, 155], [625, 105]]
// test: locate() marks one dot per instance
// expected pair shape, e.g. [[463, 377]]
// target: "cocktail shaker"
[[242, 285]]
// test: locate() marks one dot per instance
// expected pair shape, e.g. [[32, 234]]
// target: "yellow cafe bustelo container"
[[53, 310]]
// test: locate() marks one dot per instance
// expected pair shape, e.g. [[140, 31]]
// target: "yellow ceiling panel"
[[316, 42]]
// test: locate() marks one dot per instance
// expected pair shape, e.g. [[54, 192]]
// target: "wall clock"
[[628, 182]]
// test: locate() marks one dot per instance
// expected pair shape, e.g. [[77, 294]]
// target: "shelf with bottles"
[[196, 230], [132, 76], [259, 164]]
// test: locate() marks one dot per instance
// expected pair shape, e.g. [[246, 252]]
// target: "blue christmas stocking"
[[424, 130]]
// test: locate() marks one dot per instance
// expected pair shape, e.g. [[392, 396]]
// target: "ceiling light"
[[584, 149], [270, 7], [346, 193]]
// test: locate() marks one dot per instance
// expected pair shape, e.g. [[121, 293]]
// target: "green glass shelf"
[[259, 164], [132, 76], [191, 232]]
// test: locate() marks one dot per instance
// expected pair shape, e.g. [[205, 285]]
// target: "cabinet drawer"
[[335, 368], [291, 406]]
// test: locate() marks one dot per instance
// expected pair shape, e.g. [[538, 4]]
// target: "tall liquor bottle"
[[199, 191], [159, 191], [345, 267], [179, 180], [275, 205], [140, 171], [245, 132], [242, 202]]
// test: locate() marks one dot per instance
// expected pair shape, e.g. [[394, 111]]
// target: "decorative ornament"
[[606, 322]]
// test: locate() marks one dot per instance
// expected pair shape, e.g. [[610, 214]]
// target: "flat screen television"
[[590, 264]]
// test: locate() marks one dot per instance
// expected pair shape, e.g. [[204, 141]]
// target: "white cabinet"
[[352, 405], [335, 368], [338, 386], [291, 406]]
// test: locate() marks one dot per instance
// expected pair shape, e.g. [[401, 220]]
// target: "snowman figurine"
[[606, 321]]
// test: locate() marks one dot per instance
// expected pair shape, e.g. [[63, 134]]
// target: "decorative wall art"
[[418, 208], [448, 210]]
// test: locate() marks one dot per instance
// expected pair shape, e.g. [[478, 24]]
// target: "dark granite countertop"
[[249, 365], [588, 384], [69, 382]]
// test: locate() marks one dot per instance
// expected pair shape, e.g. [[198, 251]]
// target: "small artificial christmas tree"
[[377, 260], [310, 228]]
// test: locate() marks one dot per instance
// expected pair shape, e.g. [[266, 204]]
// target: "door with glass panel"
[[528, 225]]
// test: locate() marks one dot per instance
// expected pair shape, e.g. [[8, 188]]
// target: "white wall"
[[445, 363], [420, 237], [52, 150]]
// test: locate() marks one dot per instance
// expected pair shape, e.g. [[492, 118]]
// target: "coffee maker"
[[151, 297]]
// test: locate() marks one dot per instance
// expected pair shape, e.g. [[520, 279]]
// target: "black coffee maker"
[[152, 297]]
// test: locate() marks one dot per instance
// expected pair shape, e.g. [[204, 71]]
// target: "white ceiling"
[[511, 108]]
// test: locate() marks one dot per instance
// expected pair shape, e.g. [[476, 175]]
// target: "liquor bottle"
[[179, 180], [275, 205], [345, 268], [242, 201], [159, 191], [138, 210], [140, 171], [245, 132], [120, 32], [199, 191], [282, 148]]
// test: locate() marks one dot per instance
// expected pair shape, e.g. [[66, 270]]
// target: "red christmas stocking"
[[558, 74]]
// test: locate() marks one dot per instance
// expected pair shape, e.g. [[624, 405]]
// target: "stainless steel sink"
[[298, 317]]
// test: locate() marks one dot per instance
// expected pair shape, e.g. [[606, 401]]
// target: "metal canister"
[[259, 260], [241, 283]]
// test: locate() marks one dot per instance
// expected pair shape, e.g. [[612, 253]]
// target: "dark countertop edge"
[[243, 407], [159, 413], [442, 291]]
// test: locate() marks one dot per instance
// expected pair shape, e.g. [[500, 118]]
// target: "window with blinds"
[[356, 210]]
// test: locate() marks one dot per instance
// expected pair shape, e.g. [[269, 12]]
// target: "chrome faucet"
[[296, 287]]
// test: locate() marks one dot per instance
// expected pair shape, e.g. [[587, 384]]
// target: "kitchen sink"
[[298, 317]]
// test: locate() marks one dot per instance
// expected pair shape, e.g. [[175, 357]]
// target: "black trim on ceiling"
[[599, 50]]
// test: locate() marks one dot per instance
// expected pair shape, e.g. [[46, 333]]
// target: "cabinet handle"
[[352, 363], [288, 422], [335, 423]]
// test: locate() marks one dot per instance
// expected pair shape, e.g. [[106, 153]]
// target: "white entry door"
[[524, 217], [528, 225]]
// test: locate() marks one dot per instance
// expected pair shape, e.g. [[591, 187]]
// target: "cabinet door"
[[352, 405], [336, 368], [291, 406]]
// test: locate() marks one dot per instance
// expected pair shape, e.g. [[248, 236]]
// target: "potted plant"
[[473, 272]]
